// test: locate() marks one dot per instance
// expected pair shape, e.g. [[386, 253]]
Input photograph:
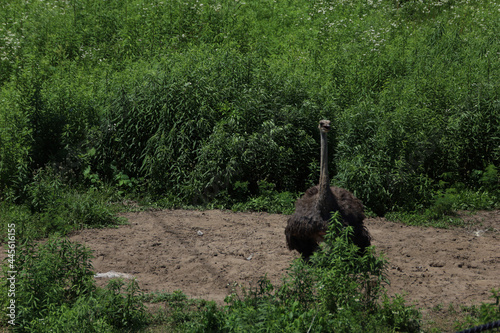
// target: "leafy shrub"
[[443, 205], [49, 276], [490, 179], [14, 144], [199, 96], [82, 316], [59, 111], [343, 275], [261, 310], [122, 307], [89, 210], [54, 207], [181, 314], [45, 190], [105, 310], [55, 291], [17, 215], [268, 200], [190, 133], [338, 291]]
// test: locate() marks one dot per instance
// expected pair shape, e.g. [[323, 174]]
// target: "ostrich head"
[[324, 126]]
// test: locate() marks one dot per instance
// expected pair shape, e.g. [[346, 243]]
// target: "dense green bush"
[[51, 206], [189, 132], [181, 314], [55, 292], [181, 100], [50, 275], [15, 144]]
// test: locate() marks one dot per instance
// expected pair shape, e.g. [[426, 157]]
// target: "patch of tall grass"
[[55, 291], [201, 96], [52, 207]]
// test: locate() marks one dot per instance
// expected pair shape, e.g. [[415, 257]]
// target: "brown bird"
[[307, 226]]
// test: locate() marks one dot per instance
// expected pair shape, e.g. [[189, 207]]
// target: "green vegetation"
[[485, 313], [338, 290], [200, 103], [55, 292], [52, 207]]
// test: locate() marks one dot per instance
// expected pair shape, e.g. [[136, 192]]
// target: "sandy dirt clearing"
[[203, 253]]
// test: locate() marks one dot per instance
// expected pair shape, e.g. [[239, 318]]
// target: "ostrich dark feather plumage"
[[307, 226]]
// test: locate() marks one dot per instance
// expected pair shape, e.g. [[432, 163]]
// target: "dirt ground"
[[204, 253]]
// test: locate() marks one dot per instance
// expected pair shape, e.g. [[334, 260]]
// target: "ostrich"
[[307, 226]]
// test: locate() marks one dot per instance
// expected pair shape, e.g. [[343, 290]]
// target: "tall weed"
[[50, 275]]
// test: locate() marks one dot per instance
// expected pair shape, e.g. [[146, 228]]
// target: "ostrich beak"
[[324, 126]]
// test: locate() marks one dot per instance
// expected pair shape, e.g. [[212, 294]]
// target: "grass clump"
[[482, 314], [181, 314], [55, 291], [50, 206]]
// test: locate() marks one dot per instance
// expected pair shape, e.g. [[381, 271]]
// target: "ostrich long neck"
[[325, 195]]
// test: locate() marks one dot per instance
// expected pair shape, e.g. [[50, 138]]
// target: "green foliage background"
[[216, 103], [198, 102]]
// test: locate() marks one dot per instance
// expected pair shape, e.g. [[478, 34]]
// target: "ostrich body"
[[307, 226]]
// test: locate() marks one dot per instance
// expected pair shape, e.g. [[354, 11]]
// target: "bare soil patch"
[[203, 253]]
